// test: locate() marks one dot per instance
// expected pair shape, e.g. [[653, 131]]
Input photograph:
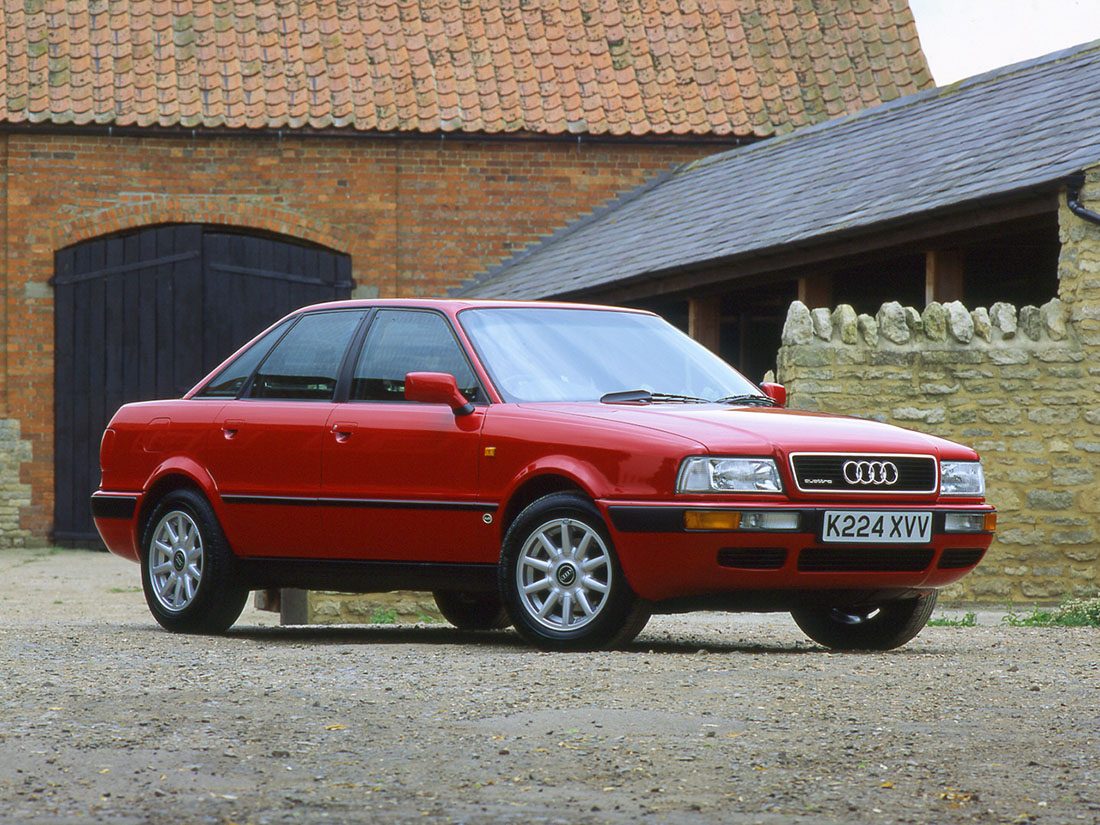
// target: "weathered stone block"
[[1070, 476], [959, 323], [892, 324], [933, 415], [1053, 315], [822, 323], [846, 321], [1003, 318], [1049, 499], [868, 329], [1011, 356], [798, 329], [1053, 415], [983, 327], [1031, 323], [934, 319]]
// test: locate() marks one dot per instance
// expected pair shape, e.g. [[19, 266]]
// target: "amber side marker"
[[990, 524], [712, 520]]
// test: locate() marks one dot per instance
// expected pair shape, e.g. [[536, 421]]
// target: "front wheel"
[[561, 580], [867, 627], [187, 568]]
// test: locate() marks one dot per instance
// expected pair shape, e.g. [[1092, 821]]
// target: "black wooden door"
[[147, 314]]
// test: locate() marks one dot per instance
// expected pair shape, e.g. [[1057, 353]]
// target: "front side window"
[[305, 364], [228, 382], [399, 342]]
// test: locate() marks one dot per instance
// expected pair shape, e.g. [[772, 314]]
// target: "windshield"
[[554, 354]]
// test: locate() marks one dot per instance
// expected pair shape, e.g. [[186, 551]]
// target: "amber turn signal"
[[712, 520], [990, 524]]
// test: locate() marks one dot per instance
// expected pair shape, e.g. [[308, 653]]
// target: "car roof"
[[452, 306]]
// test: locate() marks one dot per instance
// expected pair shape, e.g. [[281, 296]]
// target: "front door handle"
[[343, 431], [230, 427]]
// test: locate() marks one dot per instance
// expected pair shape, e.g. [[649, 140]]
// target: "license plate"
[[877, 527]]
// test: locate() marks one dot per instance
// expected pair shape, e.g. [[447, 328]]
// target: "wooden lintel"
[[816, 290], [943, 275], [704, 320]]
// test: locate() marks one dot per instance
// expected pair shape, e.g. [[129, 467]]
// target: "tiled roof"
[[1001, 134], [616, 67]]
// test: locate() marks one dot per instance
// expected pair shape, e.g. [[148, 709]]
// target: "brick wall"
[[417, 217], [1020, 385]]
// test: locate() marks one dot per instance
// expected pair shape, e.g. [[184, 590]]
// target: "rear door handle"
[[343, 431], [229, 429]]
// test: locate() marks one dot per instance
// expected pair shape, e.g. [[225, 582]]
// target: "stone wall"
[[1022, 386]]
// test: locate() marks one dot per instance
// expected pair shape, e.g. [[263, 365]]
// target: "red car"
[[562, 468]]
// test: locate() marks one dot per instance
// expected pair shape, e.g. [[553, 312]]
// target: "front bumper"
[[663, 560]]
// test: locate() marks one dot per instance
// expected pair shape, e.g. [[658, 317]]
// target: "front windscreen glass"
[[536, 354]]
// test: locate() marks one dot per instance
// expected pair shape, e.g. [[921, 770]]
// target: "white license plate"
[[877, 527]]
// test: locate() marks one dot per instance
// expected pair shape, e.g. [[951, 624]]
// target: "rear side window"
[[399, 342], [228, 382], [304, 365]]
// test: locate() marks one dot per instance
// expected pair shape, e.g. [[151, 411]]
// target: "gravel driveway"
[[104, 717]]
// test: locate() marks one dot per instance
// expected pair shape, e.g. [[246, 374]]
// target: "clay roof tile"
[[598, 66]]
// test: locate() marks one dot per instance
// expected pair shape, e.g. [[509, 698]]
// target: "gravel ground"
[[106, 718]]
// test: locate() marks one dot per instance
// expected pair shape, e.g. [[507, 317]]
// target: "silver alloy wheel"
[[175, 560], [564, 574]]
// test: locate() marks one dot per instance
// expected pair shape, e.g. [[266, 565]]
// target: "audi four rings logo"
[[870, 472]]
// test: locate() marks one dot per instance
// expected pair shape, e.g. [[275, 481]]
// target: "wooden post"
[[704, 317], [943, 275], [816, 291]]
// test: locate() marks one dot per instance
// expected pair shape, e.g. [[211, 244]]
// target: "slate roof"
[[993, 135], [599, 67]]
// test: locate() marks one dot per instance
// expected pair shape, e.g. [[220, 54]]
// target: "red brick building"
[[175, 175]]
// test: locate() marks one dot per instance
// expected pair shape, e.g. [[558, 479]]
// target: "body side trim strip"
[[375, 503]]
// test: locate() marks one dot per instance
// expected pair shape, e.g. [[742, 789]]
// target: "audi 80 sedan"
[[566, 469]]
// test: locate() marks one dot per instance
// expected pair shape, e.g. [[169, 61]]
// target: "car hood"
[[766, 430]]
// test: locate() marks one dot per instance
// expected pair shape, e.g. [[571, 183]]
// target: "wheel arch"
[[534, 488], [167, 478]]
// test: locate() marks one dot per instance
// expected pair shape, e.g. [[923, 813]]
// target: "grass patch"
[[123, 589], [968, 619], [385, 615], [1071, 613]]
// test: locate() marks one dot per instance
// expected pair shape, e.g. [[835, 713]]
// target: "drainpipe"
[[1074, 184]]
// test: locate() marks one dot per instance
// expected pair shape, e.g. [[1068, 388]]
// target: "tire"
[[472, 611], [189, 581], [585, 602], [874, 627]]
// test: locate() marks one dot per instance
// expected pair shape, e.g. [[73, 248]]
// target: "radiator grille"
[[824, 472]]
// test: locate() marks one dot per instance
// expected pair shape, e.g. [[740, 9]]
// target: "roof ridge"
[[568, 229]]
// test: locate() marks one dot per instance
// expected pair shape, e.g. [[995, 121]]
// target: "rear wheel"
[[187, 568], [472, 611], [561, 579], [866, 627]]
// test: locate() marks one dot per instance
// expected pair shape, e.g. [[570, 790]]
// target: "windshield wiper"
[[647, 397], [750, 400]]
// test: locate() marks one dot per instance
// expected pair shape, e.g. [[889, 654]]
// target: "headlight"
[[703, 474], [962, 478]]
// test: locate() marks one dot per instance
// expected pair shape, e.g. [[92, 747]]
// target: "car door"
[[400, 477], [265, 449]]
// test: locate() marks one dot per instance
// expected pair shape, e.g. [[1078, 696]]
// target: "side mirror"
[[776, 392], [436, 388]]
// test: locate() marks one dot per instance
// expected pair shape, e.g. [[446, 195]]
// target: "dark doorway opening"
[[146, 314]]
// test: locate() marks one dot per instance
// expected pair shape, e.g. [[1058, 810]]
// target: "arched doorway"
[[146, 314]]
